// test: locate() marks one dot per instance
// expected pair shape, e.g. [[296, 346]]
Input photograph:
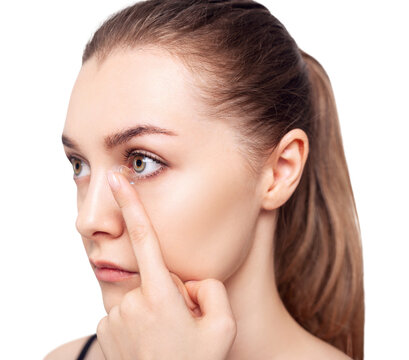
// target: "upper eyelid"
[[136, 151], [131, 151], [71, 156]]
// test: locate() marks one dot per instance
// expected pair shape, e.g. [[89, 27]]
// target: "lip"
[[108, 271]]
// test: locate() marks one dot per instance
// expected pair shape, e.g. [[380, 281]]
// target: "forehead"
[[132, 87]]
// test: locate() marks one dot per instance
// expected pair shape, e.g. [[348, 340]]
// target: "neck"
[[265, 329]]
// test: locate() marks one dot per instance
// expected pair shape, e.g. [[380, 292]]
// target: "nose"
[[98, 213]]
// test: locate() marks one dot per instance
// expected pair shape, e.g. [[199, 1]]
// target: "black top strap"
[[85, 348]]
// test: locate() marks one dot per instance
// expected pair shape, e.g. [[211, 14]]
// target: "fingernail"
[[113, 180]]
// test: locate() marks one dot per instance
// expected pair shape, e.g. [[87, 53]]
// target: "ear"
[[284, 168]]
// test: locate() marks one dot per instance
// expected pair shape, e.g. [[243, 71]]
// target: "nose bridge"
[[98, 210]]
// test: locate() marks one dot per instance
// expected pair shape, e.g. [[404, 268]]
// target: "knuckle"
[[138, 232], [129, 304], [225, 326], [124, 202], [114, 313], [102, 324], [228, 324], [156, 297]]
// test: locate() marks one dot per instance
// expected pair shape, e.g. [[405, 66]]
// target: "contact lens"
[[127, 172]]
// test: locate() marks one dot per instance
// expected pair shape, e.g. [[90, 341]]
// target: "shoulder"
[[321, 350], [311, 347], [67, 351], [333, 353]]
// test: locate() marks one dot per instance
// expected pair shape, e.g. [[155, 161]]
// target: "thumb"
[[182, 289], [211, 295]]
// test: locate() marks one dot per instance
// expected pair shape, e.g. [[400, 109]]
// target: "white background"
[[49, 294]]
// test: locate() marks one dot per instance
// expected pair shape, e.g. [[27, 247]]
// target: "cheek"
[[81, 193], [204, 222]]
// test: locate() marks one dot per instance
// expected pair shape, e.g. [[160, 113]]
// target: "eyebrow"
[[113, 140]]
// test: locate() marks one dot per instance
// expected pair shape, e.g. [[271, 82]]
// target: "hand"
[[163, 318]]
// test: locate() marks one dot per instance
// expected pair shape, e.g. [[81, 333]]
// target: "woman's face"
[[201, 201]]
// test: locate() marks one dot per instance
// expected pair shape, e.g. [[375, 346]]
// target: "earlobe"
[[284, 168]]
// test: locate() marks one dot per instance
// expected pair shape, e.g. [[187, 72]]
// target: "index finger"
[[143, 237]]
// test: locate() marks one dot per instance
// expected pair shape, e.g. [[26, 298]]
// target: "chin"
[[113, 293]]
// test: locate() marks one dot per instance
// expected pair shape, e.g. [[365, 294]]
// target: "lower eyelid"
[[134, 176]]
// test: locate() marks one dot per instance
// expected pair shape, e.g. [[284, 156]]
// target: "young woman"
[[214, 200]]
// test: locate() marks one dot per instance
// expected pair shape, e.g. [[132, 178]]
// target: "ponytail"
[[318, 254]]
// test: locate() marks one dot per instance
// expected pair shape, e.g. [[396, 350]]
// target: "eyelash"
[[130, 153]]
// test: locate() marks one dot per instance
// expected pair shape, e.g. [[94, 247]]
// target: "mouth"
[[111, 272]]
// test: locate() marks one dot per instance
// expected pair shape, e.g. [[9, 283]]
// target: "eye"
[[78, 166], [142, 162]]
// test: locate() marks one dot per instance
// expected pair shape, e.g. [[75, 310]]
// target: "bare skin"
[[212, 217]]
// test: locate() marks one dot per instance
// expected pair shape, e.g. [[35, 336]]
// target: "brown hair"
[[256, 74]]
